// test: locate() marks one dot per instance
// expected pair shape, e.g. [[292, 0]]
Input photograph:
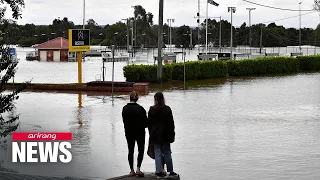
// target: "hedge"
[[213, 69], [194, 70], [146, 73], [308, 63], [276, 65]]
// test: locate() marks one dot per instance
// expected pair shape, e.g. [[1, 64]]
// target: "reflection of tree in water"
[[80, 128]]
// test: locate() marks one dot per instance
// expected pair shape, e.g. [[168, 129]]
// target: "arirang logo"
[[32, 148]]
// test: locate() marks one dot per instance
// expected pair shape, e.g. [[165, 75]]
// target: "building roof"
[[57, 43]]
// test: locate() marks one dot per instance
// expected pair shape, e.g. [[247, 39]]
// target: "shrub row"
[[214, 69], [308, 63], [194, 70], [276, 65]]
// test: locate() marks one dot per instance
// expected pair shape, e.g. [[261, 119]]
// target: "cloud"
[[183, 11]]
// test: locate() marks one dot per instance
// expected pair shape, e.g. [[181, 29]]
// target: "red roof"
[[57, 43]]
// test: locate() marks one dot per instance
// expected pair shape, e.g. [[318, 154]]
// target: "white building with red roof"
[[56, 50]]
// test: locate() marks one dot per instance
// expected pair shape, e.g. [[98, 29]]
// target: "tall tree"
[[8, 120]]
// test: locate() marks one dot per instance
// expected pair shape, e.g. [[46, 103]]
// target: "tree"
[[8, 124], [316, 5]]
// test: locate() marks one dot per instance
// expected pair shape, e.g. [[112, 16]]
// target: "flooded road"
[[240, 128]]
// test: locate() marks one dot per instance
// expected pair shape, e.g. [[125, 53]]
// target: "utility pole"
[[215, 4], [128, 41], [250, 35], [199, 25], [132, 38], [135, 30], [232, 10], [220, 31], [207, 30], [160, 37], [300, 26], [261, 40], [84, 13], [190, 40], [170, 21]]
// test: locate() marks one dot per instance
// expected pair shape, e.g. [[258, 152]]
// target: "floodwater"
[[238, 128]]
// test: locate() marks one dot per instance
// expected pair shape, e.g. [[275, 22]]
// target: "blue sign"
[[12, 51]]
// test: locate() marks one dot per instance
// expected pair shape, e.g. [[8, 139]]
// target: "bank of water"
[[239, 128]]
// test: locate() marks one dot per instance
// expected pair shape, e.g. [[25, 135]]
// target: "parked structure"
[[56, 50]]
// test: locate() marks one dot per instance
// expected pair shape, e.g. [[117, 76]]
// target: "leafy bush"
[[213, 69], [309, 62], [276, 65]]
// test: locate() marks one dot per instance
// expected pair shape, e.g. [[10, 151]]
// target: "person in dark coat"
[[135, 121], [162, 133]]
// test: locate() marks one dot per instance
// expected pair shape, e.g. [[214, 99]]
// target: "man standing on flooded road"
[[135, 122]]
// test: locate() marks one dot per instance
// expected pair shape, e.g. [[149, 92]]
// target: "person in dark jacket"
[[162, 133], [135, 121]]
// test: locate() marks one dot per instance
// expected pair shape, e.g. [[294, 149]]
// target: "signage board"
[[272, 54], [79, 40], [224, 56], [297, 54], [12, 51]]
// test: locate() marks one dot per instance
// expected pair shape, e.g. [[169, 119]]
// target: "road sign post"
[[79, 42]]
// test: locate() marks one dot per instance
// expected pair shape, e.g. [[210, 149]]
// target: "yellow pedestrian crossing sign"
[[79, 40]]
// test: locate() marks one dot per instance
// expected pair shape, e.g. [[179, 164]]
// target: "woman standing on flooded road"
[[162, 133]]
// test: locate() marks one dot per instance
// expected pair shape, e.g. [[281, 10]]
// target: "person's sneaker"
[[160, 175], [173, 174]]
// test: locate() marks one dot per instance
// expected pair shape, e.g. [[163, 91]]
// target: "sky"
[[42, 12]]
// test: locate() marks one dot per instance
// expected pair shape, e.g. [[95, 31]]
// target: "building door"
[[56, 56], [49, 55], [64, 55], [43, 55]]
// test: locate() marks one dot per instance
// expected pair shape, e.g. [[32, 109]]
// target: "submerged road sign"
[[79, 40]]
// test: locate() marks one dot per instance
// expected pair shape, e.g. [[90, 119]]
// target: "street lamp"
[[135, 29], [184, 67], [84, 13], [232, 10], [250, 35], [300, 26], [170, 21]]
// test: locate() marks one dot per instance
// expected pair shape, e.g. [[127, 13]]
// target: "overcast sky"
[[183, 11]]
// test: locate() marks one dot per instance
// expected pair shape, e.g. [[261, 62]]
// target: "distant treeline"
[[147, 33]]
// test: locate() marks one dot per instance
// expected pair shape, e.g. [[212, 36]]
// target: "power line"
[[287, 18], [284, 9]]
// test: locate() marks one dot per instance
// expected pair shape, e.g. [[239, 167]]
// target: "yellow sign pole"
[[79, 57]]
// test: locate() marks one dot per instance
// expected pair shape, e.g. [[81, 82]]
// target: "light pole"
[[184, 66], [215, 4], [232, 10], [170, 21], [135, 30], [132, 38], [198, 25], [300, 26], [128, 41], [84, 13], [160, 42], [250, 35], [220, 30]]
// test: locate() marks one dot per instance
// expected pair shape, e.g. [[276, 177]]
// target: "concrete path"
[[16, 176], [148, 176]]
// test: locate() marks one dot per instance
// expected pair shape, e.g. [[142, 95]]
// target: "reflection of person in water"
[[135, 121]]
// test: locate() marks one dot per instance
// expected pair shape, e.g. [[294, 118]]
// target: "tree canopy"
[[142, 23]]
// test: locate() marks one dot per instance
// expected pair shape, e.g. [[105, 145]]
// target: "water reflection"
[[80, 126], [246, 128]]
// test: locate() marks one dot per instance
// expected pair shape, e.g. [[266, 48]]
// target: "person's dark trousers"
[[131, 141]]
